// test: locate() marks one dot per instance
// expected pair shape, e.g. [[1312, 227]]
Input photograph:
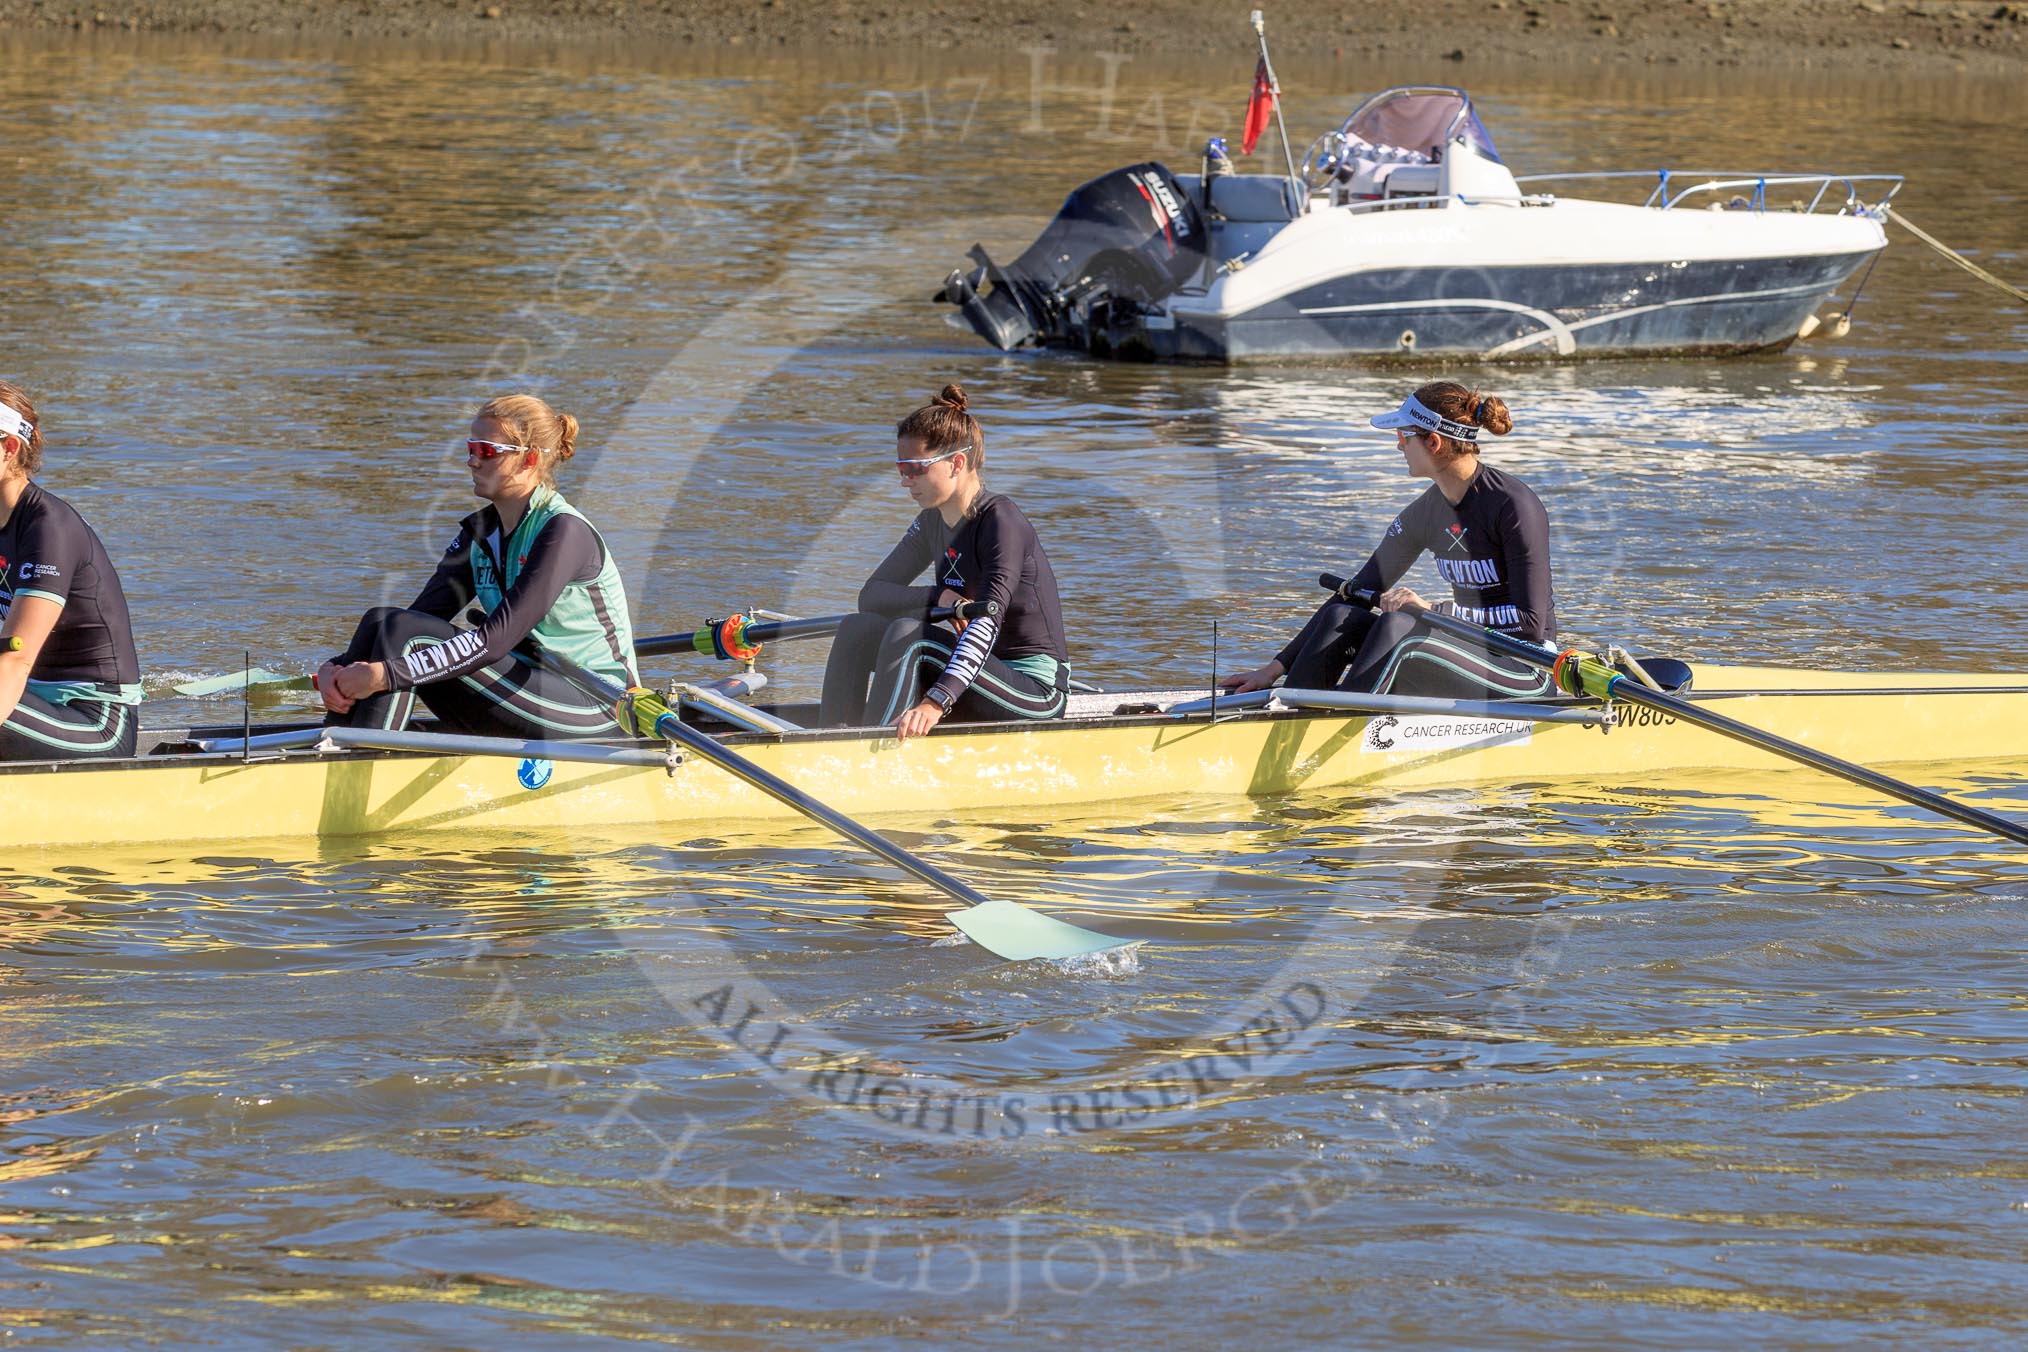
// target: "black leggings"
[[1348, 647], [903, 658], [85, 729], [508, 699]]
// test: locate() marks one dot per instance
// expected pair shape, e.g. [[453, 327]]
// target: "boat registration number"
[[1392, 732]]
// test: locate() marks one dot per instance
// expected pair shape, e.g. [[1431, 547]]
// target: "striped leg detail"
[[1022, 703], [513, 699], [508, 699], [921, 664], [81, 730], [997, 691], [1438, 666]]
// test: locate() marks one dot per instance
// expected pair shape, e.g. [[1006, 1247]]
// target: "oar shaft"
[[769, 631], [671, 728], [764, 631], [674, 729], [1603, 682], [661, 645]]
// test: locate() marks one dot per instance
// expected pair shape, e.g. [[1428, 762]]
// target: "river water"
[[1676, 1063]]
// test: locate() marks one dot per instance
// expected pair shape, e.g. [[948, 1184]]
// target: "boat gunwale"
[[738, 738]]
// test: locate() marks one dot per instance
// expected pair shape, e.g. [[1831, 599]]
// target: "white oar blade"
[[1004, 928], [1016, 933], [241, 680]]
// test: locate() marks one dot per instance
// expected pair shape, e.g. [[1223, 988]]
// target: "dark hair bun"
[[952, 397]]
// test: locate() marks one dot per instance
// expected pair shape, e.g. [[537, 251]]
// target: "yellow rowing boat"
[[1098, 756]]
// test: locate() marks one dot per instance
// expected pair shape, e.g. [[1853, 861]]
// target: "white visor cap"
[[1414, 413]]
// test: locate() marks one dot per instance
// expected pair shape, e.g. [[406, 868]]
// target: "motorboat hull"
[[1510, 313], [1565, 280]]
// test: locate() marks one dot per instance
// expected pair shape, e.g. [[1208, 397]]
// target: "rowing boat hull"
[[1889, 720]]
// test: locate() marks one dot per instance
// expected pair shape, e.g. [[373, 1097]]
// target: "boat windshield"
[[1419, 122]]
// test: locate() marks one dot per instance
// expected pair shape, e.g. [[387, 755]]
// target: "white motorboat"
[[1404, 233]]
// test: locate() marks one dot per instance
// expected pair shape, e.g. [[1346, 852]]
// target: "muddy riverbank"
[[1857, 35]]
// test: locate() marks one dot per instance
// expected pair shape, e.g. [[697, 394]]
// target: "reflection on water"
[[1684, 1061], [416, 1075]]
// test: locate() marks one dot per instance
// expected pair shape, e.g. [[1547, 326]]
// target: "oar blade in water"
[[1018, 934], [239, 680], [1005, 928]]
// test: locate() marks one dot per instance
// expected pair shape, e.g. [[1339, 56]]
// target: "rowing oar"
[[253, 678], [1006, 928], [1584, 674], [739, 637]]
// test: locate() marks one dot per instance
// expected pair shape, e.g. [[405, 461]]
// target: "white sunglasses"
[[915, 469]]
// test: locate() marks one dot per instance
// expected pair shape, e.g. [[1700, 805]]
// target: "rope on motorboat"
[[1842, 325], [1954, 256]]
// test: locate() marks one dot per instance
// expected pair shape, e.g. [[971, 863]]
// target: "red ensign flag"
[[1258, 106]]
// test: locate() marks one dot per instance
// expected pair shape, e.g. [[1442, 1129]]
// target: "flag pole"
[[1275, 88]]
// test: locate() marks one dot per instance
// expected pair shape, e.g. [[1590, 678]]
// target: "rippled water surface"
[[1725, 1059]]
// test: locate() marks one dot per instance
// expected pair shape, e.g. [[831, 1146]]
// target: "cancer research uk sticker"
[[535, 773], [1434, 732]]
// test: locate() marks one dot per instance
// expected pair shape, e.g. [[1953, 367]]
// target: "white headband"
[[1413, 413], [12, 424]]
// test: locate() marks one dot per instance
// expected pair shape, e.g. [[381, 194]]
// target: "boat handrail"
[[1525, 199], [1420, 199], [1540, 199], [1761, 183], [1722, 180]]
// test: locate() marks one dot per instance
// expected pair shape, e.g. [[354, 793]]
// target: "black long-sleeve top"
[[993, 554], [1493, 548]]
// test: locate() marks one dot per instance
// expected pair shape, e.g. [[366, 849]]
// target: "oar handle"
[[712, 642], [10, 644], [1342, 589]]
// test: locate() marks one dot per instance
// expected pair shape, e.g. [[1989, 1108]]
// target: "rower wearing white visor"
[[1490, 540], [69, 679]]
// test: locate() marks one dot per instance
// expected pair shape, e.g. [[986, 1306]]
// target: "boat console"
[[1419, 141]]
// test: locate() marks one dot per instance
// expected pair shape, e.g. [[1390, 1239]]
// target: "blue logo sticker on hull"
[[535, 773]]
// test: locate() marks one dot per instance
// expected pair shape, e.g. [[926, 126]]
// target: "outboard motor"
[[1132, 236]]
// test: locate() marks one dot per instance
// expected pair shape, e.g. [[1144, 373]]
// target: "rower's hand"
[[918, 720], [1394, 598], [1260, 678], [355, 681], [947, 597], [326, 682]]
